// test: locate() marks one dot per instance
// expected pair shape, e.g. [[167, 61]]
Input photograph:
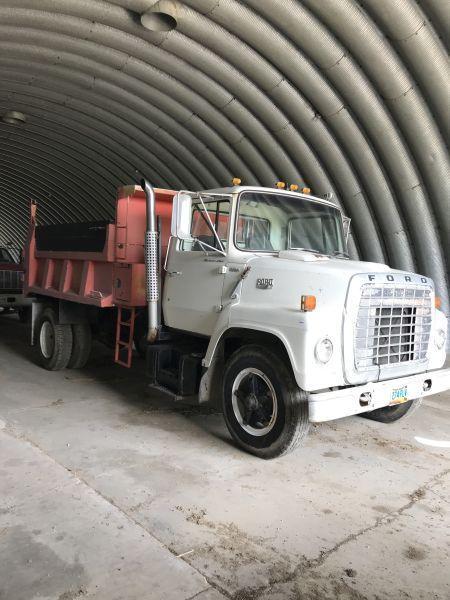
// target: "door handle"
[[172, 273]]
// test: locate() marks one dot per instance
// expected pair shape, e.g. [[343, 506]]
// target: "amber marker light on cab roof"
[[280, 185], [236, 181], [308, 303], [306, 190], [293, 187], [437, 302]]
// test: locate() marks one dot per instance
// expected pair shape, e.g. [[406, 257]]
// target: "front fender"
[[228, 321]]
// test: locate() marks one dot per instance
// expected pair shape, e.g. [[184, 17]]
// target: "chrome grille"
[[11, 281], [393, 325]]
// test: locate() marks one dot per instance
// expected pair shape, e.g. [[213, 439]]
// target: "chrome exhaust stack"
[[151, 264]]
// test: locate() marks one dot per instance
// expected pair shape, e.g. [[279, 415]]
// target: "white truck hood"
[[302, 255], [343, 265], [294, 271]]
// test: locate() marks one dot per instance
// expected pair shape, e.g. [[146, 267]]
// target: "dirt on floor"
[[108, 491]]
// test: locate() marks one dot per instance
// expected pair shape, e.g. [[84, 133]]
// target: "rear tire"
[[265, 411], [390, 414], [54, 341], [81, 347]]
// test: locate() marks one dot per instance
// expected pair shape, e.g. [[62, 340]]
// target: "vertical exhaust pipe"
[[151, 264]]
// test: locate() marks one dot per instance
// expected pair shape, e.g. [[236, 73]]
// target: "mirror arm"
[[169, 243], [222, 249], [205, 245]]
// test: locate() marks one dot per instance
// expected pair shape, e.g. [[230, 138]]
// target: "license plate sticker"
[[399, 395]]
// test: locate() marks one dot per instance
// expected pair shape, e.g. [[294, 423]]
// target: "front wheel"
[[265, 411]]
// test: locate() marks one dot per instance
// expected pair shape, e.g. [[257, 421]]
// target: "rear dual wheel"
[[54, 341], [61, 346], [81, 347]]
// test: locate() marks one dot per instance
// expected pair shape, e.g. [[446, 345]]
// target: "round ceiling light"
[[14, 117], [158, 21]]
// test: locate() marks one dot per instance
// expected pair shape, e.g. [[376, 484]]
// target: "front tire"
[[390, 414], [265, 411], [54, 341]]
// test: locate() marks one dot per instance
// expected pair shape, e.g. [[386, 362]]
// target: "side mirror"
[[181, 216], [346, 225]]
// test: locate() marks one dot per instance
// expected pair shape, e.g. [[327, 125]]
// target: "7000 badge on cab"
[[264, 284]]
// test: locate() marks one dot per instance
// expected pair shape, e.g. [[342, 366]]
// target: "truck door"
[[194, 278]]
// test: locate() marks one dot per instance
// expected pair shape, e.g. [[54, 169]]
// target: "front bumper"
[[326, 406], [12, 300]]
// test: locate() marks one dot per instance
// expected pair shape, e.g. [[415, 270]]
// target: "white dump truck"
[[244, 294]]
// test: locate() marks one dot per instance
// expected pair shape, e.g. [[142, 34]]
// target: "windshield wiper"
[[340, 254], [308, 250]]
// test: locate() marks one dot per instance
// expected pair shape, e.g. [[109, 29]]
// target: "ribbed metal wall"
[[347, 97]]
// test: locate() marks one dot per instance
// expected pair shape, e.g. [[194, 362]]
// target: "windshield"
[[5, 256], [274, 222]]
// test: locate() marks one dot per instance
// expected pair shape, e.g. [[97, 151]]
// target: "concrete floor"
[[110, 494]]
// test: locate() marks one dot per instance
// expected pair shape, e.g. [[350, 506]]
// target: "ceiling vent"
[[14, 117], [158, 21]]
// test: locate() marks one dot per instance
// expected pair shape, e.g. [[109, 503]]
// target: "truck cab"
[[282, 325], [11, 282]]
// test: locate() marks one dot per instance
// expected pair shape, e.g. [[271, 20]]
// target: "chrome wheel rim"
[[254, 402], [47, 339]]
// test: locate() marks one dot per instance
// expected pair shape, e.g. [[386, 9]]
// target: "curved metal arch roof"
[[347, 97]]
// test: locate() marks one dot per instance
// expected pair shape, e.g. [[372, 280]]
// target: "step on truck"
[[244, 295]]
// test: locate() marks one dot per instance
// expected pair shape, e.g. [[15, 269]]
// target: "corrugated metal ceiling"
[[348, 97]]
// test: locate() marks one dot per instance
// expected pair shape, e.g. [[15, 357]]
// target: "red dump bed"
[[96, 263]]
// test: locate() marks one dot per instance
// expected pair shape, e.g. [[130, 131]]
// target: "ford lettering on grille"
[[393, 325]]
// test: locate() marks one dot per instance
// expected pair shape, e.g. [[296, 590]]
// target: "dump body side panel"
[[98, 263]]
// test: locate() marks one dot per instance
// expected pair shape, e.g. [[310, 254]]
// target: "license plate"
[[399, 395]]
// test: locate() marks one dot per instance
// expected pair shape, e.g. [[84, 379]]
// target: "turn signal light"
[[281, 185], [236, 181], [437, 302], [293, 187], [306, 190], [308, 303]]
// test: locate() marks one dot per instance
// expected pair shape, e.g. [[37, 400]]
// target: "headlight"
[[324, 350], [439, 339]]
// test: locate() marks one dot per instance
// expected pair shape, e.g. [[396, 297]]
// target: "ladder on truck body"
[[124, 345]]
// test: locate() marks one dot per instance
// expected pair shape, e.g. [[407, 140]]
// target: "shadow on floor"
[[129, 384]]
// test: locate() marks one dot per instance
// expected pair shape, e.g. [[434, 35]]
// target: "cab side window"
[[203, 237]]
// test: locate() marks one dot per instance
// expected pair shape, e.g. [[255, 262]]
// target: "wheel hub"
[[47, 339], [254, 401]]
